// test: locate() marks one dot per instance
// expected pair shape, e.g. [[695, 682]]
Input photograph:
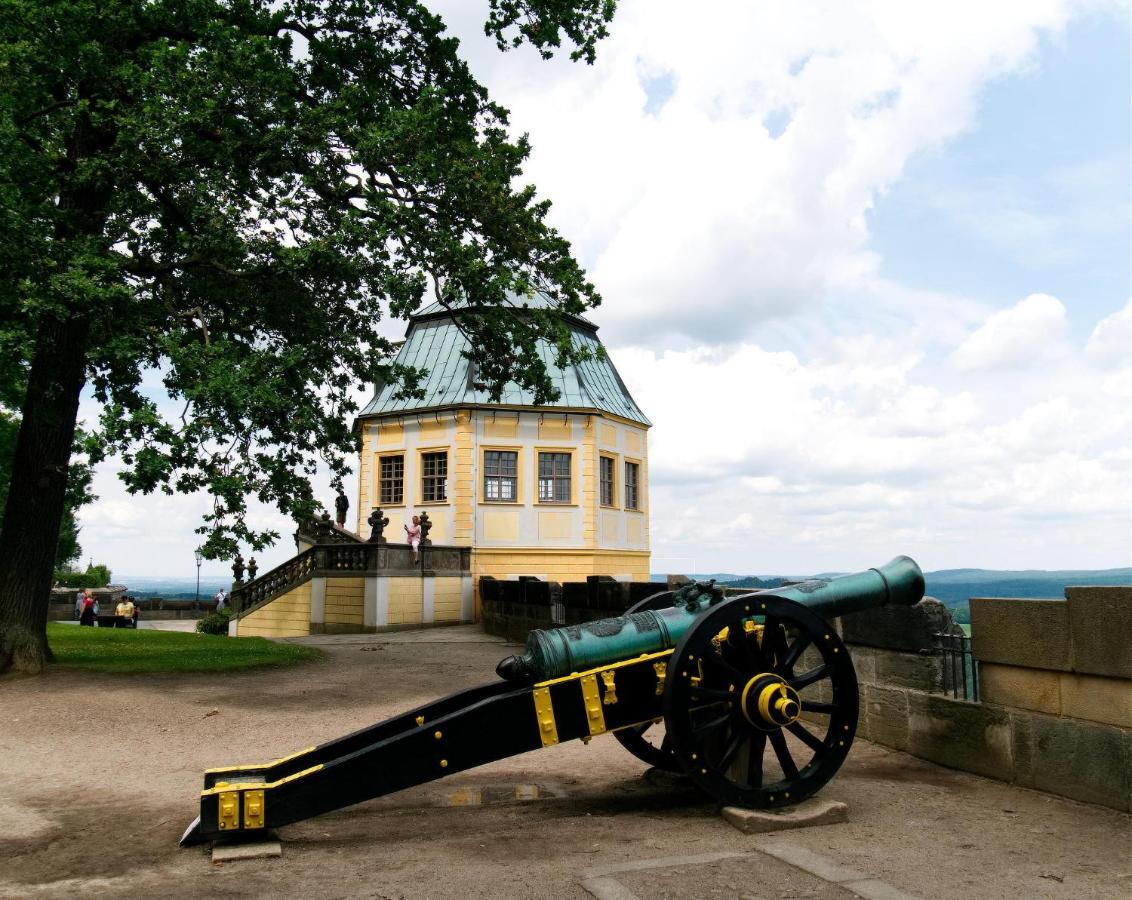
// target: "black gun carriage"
[[756, 694]]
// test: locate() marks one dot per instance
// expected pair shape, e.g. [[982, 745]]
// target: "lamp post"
[[198, 557]]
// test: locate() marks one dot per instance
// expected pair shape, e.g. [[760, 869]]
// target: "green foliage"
[[94, 576], [125, 651], [213, 623], [542, 24], [229, 195], [68, 549]]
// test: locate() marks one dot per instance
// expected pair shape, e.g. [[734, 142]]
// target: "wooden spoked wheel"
[[760, 705], [648, 741]]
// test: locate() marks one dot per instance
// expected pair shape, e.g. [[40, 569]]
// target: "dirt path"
[[99, 776]]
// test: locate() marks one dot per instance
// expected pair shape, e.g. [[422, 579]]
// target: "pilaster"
[[318, 604]]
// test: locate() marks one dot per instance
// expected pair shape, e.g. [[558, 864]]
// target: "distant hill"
[[954, 587], [171, 588]]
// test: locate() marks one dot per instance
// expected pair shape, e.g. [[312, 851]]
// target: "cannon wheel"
[[655, 749], [733, 692]]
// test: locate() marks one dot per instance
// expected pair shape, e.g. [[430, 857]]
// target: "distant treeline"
[[756, 583]]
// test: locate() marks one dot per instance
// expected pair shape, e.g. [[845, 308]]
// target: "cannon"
[[756, 694]]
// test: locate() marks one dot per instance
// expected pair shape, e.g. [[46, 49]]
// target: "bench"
[[115, 622]]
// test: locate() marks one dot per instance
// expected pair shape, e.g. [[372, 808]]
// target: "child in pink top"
[[414, 536]]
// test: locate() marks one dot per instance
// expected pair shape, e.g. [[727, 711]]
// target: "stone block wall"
[[1056, 706]]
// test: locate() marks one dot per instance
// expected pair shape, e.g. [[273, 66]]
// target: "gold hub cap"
[[769, 702]]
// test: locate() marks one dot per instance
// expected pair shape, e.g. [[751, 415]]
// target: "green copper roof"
[[534, 301], [433, 342]]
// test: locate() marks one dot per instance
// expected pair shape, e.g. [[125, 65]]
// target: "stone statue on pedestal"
[[238, 568], [377, 523], [341, 507], [426, 526]]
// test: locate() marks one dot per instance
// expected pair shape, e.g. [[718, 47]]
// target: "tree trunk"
[[36, 496]]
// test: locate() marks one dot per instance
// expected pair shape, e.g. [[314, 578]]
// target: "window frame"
[[433, 451], [517, 478], [612, 459], [572, 477], [381, 457], [638, 487]]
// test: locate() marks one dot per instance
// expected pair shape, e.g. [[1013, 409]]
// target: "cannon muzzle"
[[898, 583]]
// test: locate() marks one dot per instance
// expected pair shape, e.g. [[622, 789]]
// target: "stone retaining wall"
[[1056, 707]]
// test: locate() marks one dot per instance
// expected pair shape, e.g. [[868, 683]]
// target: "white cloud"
[[790, 464], [1027, 334], [806, 412], [1111, 340], [694, 220]]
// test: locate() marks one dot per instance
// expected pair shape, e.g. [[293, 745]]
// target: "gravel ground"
[[99, 776]]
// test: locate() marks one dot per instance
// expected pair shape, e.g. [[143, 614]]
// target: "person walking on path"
[[79, 597], [414, 536], [221, 599]]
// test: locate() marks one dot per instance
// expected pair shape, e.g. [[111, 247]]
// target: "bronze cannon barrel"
[[556, 652]]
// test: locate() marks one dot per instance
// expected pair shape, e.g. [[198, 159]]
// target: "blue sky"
[[875, 255], [1044, 171]]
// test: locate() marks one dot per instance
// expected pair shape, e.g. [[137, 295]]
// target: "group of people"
[[87, 611]]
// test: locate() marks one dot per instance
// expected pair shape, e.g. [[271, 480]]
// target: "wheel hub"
[[768, 702]]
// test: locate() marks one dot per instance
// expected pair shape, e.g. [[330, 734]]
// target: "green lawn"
[[125, 650]]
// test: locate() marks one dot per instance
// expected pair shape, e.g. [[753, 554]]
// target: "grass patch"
[[125, 650]]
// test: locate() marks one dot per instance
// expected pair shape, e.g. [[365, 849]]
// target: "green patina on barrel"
[[555, 652]]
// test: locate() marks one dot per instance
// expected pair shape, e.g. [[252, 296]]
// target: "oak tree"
[[218, 201]]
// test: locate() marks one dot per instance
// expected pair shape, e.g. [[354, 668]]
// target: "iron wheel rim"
[[705, 698], [656, 749]]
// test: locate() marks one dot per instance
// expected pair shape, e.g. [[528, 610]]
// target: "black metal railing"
[[960, 671]]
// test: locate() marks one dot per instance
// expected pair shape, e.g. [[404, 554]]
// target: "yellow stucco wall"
[[447, 598], [565, 565], [406, 600], [365, 478], [288, 615], [462, 479], [565, 542], [589, 486], [344, 601], [502, 428]]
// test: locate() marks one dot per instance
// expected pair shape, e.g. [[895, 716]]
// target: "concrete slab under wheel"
[[806, 814], [258, 850]]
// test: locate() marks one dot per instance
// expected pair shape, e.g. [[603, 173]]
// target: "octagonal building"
[[558, 490]]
